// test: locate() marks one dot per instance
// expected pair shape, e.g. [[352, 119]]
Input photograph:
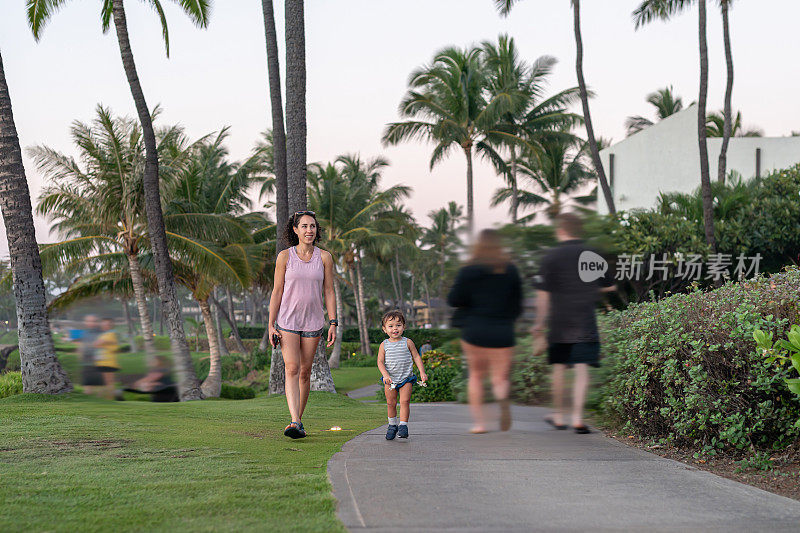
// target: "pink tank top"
[[301, 304]]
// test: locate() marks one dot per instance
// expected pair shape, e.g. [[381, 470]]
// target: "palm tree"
[[347, 198], [278, 134], [558, 172], [715, 126], [39, 13], [443, 235], [666, 104], [665, 9], [99, 209], [296, 104], [533, 117], [447, 104], [41, 371], [504, 6]]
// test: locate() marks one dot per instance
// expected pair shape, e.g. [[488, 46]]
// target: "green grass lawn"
[[347, 379], [83, 464]]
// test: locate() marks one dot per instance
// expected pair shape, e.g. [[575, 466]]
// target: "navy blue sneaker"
[[402, 431], [391, 432]]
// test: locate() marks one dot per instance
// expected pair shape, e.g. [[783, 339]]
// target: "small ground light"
[[335, 428]]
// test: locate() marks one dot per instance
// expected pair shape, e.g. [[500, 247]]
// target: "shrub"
[[260, 359], [685, 369], [251, 332], [10, 384], [442, 370], [233, 367], [232, 392], [530, 375]]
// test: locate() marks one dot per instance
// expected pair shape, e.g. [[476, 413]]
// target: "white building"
[[664, 158]]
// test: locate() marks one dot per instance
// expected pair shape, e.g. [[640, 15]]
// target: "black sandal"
[[294, 431], [550, 421], [582, 430]]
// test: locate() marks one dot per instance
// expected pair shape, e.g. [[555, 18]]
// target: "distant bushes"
[[685, 369], [418, 335], [233, 392]]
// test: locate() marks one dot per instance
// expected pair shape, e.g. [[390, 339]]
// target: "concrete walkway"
[[533, 478], [365, 393]]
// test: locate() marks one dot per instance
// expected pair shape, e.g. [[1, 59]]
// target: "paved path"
[[533, 478], [367, 393]]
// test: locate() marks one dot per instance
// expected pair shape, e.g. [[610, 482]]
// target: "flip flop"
[[582, 430], [557, 426]]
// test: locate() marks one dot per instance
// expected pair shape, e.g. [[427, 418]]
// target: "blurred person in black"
[[571, 280], [488, 296]]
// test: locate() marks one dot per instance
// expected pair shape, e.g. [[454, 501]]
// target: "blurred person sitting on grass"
[[395, 357], [106, 361]]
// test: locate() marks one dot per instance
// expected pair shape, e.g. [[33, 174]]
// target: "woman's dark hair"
[[290, 237]]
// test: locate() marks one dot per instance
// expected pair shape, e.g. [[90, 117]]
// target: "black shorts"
[[563, 353], [91, 376], [488, 334]]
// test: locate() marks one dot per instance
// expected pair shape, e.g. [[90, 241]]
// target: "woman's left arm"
[[330, 294]]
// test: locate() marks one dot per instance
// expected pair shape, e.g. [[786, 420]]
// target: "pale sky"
[[359, 56]]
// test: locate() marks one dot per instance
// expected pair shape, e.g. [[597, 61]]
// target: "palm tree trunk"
[[439, 318], [131, 328], [223, 346], [705, 178], [399, 281], [470, 206], [321, 377], [394, 286], [359, 318], [263, 344], [41, 371], [141, 304], [296, 105], [188, 385], [232, 321], [278, 131], [514, 187], [236, 338], [212, 385], [361, 302], [277, 372], [336, 355], [726, 130], [412, 312], [598, 165]]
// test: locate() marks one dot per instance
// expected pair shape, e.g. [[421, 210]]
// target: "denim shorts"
[[307, 334]]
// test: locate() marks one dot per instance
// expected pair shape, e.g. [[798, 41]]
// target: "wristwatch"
[[333, 322]]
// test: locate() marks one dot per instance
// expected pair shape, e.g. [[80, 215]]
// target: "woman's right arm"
[[277, 294]]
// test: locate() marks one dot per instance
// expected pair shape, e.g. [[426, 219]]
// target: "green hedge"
[[10, 384], [233, 368], [251, 332], [232, 392], [685, 369], [418, 335]]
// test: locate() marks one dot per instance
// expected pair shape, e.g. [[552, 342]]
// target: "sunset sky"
[[359, 56]]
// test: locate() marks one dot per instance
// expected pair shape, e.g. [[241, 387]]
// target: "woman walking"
[[488, 296], [296, 317]]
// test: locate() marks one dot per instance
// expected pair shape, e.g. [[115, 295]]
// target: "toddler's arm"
[[387, 379], [417, 360]]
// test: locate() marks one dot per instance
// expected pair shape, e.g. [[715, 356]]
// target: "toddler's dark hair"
[[393, 314]]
